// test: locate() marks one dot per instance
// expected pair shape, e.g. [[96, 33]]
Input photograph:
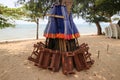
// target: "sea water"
[[28, 31]]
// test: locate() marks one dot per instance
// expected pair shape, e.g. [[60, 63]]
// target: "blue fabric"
[[64, 26], [73, 26], [51, 26], [59, 21], [68, 30]]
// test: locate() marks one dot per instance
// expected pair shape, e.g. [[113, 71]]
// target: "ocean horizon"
[[25, 31]]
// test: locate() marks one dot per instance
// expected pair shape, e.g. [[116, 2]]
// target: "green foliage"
[[36, 8], [7, 16], [108, 7], [6, 22], [88, 10], [95, 8]]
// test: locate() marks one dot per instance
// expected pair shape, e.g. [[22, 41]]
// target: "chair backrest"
[[118, 23], [115, 30], [106, 31], [118, 28]]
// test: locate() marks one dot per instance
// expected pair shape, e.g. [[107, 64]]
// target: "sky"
[[9, 3]]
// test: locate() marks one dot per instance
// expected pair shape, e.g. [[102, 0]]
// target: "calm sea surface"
[[28, 31]]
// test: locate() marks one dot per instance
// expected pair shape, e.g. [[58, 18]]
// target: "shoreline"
[[19, 40], [41, 38]]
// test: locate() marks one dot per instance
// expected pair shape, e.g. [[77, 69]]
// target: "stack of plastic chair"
[[115, 30], [118, 28], [112, 31], [108, 32]]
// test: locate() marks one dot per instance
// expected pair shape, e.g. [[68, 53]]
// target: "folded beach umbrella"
[[63, 28]]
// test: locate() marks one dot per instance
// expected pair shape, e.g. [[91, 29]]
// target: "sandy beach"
[[15, 66]]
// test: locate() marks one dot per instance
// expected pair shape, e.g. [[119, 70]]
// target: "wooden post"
[[37, 28], [68, 4], [98, 54], [107, 48]]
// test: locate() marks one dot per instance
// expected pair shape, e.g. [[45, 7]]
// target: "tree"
[[89, 12], [7, 16], [97, 11], [4, 21], [108, 7]]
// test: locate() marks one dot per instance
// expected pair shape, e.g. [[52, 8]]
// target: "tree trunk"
[[110, 19], [99, 29], [37, 36]]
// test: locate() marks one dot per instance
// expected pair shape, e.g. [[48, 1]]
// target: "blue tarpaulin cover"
[[61, 27]]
